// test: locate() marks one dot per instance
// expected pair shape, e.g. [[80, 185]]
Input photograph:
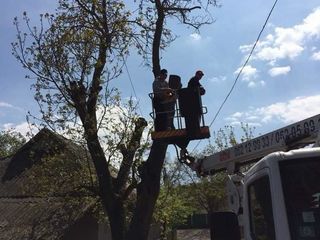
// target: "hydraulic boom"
[[298, 134]]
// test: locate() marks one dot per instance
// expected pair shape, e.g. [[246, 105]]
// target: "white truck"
[[278, 197]]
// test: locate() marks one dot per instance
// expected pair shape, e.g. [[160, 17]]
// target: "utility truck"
[[278, 197]]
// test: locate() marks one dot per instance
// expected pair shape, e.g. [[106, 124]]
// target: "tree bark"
[[157, 40], [117, 216], [147, 192], [112, 204]]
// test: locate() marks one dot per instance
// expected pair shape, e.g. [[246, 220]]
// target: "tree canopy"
[[73, 55], [10, 142]]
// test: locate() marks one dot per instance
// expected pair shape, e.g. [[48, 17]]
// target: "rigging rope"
[[132, 86]]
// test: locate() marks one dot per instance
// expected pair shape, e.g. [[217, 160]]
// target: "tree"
[[152, 21], [74, 55], [78, 54], [60, 183], [209, 192], [183, 193], [10, 142], [174, 205]]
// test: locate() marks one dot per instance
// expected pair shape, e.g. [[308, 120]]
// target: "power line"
[[239, 73], [132, 86]]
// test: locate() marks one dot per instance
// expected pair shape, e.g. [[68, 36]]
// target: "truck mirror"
[[224, 226]]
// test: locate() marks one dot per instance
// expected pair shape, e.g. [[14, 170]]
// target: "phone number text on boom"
[[291, 132]]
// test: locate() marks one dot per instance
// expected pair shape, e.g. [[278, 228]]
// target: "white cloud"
[[237, 114], [285, 50], [276, 71], [217, 79], [24, 128], [316, 56], [287, 112], [287, 43], [245, 48], [7, 105], [248, 73], [195, 37], [252, 84], [198, 41], [10, 106]]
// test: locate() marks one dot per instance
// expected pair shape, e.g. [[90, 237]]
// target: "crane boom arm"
[[303, 132]]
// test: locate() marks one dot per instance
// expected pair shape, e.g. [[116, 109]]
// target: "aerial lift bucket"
[[186, 112]]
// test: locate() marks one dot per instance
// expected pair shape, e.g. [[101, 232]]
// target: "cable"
[[239, 73], [132, 86]]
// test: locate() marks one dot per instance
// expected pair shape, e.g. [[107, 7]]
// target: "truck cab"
[[278, 197], [281, 196]]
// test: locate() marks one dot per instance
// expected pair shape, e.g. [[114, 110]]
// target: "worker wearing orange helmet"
[[194, 118], [194, 82]]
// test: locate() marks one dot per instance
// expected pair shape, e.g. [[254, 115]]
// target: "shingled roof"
[[45, 143], [36, 218], [28, 216]]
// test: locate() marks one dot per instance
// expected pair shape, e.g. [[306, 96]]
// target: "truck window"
[[301, 189], [260, 208]]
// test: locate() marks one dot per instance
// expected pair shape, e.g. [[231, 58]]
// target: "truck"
[[278, 196]]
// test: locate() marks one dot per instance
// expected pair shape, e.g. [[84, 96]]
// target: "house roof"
[[28, 216], [14, 171], [38, 218], [14, 187], [45, 143]]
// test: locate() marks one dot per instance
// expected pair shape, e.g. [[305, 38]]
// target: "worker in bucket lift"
[[193, 120], [163, 96], [194, 82]]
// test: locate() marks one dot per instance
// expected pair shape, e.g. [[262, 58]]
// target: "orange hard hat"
[[199, 72]]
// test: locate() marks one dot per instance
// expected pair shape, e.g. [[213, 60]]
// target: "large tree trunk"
[[147, 192], [157, 40], [112, 204], [116, 214]]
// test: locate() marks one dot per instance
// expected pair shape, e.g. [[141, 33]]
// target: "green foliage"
[[68, 177], [173, 208], [62, 175], [173, 205], [183, 193], [209, 193], [226, 137], [73, 55], [68, 52], [10, 142]]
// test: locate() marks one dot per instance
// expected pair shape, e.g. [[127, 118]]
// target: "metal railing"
[[178, 119]]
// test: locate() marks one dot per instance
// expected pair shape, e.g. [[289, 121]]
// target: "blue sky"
[[280, 84]]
